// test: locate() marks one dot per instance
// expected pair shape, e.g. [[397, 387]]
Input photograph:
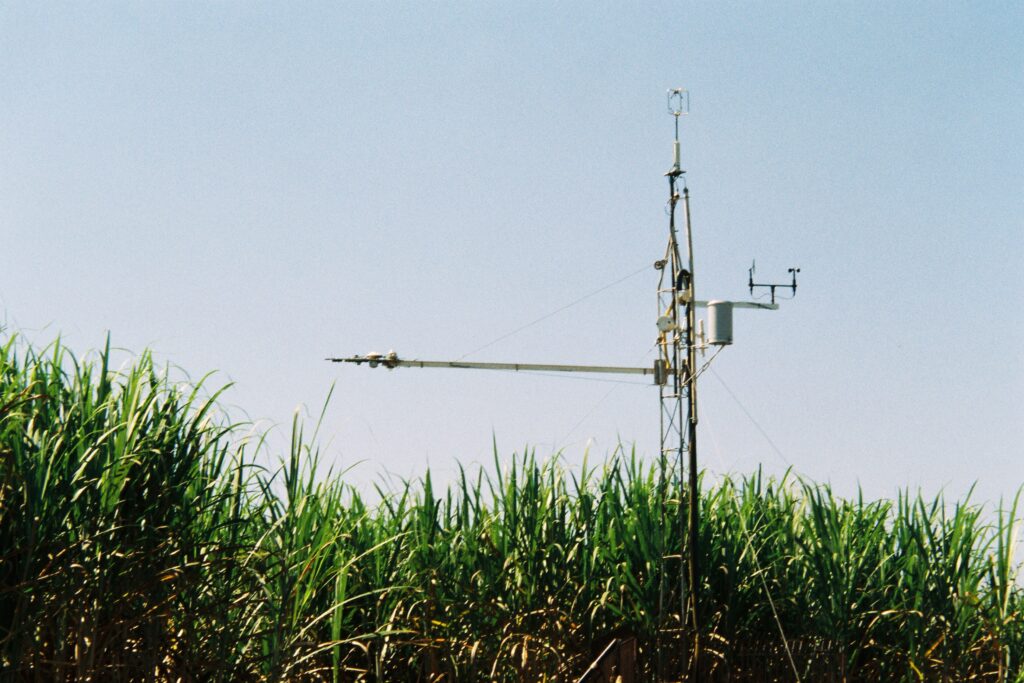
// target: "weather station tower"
[[681, 336]]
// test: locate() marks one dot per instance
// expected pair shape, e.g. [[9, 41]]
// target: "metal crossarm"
[[391, 361]]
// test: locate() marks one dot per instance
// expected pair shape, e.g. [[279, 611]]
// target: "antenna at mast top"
[[678, 101]]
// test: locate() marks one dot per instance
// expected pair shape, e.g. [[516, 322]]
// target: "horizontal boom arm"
[[393, 361], [742, 304]]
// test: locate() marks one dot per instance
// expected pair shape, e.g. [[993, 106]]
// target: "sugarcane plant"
[[146, 535]]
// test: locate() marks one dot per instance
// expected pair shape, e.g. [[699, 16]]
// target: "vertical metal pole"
[[694, 499], [675, 411], [682, 358], [671, 398], [680, 353]]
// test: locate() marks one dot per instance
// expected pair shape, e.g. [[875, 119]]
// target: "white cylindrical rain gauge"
[[719, 323]]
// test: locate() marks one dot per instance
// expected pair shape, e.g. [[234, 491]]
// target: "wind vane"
[[674, 372]]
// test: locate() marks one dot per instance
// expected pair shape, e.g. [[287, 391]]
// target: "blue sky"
[[249, 188]]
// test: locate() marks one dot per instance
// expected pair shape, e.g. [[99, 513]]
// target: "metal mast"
[[677, 342]]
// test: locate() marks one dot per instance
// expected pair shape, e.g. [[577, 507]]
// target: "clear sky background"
[[249, 188]]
